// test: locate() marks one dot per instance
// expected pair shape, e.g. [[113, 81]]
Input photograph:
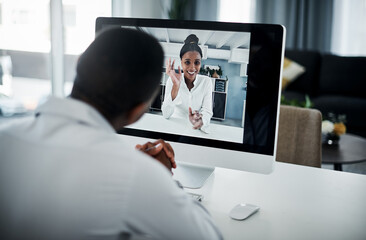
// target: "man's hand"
[[161, 151], [195, 118]]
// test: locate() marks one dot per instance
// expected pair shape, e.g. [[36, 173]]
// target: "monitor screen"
[[235, 91]]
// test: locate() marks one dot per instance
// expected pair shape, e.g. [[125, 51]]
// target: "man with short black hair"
[[66, 174]]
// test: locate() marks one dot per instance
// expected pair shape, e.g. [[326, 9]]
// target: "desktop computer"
[[243, 133]]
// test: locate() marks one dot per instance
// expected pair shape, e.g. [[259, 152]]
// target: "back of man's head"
[[119, 70]]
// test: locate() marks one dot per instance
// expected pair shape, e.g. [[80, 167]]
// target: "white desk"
[[296, 203], [181, 126]]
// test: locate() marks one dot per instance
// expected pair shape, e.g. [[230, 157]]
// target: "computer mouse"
[[243, 211]]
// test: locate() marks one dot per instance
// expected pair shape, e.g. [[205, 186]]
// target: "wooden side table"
[[351, 149]]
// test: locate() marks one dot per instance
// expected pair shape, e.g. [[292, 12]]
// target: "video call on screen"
[[224, 61]]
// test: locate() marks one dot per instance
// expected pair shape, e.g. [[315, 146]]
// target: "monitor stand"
[[192, 176]]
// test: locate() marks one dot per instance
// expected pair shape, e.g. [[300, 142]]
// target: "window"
[[79, 31], [348, 32], [1, 14], [22, 19], [25, 42], [79, 22], [69, 15], [25, 30], [236, 10]]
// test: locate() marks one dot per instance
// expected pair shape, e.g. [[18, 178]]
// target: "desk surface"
[[296, 202], [182, 126]]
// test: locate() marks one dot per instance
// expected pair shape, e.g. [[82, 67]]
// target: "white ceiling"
[[214, 39], [225, 45]]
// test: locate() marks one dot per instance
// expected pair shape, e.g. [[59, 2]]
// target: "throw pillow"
[[291, 70]]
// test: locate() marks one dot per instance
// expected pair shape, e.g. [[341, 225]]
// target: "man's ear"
[[135, 113]]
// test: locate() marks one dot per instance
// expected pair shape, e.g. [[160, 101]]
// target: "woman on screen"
[[188, 94]]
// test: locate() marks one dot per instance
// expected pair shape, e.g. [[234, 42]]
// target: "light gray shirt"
[[65, 174], [199, 98]]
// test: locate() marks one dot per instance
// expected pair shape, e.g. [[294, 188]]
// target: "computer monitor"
[[243, 62]]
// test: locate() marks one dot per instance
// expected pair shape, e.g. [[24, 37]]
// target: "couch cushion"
[[308, 82], [352, 107], [291, 71], [343, 75]]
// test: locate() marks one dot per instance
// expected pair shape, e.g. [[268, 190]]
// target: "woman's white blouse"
[[199, 98]]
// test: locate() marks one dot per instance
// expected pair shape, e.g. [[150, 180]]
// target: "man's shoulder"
[[15, 124], [119, 148]]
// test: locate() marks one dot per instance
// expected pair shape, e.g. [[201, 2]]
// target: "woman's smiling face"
[[191, 64]]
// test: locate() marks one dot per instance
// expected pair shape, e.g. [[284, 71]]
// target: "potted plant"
[[214, 73], [332, 128]]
